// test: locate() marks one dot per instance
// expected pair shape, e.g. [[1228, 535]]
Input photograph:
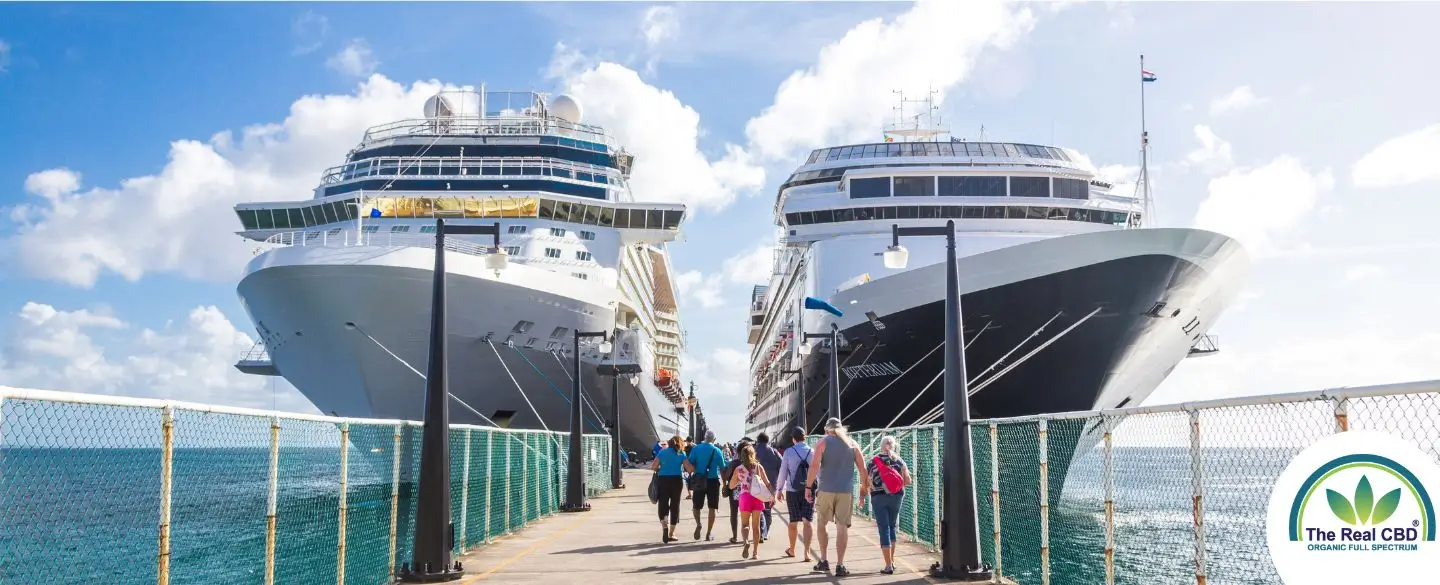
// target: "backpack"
[[892, 479], [802, 471]]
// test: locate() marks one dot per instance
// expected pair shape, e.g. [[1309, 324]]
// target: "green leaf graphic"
[[1386, 506], [1341, 507], [1364, 500]]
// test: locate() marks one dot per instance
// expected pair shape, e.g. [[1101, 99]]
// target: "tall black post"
[[835, 370], [690, 404], [432, 515], [616, 473], [575, 486], [960, 558]]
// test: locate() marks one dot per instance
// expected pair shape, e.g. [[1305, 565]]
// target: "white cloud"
[[1238, 99], [659, 24], [1261, 206], [706, 290], [173, 221], [4, 56], [1407, 159], [723, 387], [662, 132], [309, 30], [91, 352], [752, 266], [355, 59], [1213, 155], [846, 94], [1363, 273]]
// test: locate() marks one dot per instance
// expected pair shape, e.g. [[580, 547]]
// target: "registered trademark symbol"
[[1414, 522]]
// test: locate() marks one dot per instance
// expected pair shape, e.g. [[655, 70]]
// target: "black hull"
[[1068, 375]]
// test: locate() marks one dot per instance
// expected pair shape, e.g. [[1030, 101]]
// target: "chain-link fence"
[[131, 491], [1143, 496]]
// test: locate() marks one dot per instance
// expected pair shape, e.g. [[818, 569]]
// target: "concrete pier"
[[618, 542]]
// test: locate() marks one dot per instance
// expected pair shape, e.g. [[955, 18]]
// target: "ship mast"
[[923, 126], [1144, 183]]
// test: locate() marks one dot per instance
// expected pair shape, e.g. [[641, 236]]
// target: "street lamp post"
[[615, 369], [800, 391], [834, 337], [434, 534], [690, 405], [960, 554], [575, 486]]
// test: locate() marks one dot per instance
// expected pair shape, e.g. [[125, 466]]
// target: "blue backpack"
[[802, 471]]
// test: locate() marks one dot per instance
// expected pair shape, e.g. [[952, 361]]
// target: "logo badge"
[[1347, 502]]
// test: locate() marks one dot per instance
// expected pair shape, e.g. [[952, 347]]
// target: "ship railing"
[[467, 168], [257, 353], [335, 238], [487, 126], [1153, 494], [335, 493]]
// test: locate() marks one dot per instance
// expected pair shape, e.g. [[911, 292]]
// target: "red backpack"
[[888, 476]]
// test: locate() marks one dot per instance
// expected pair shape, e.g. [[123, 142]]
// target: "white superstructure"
[[339, 287]]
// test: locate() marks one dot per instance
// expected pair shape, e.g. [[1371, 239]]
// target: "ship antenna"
[[1144, 183]]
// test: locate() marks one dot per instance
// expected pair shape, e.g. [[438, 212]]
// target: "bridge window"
[[1029, 186], [914, 186], [1071, 188], [607, 217], [869, 188], [972, 186]]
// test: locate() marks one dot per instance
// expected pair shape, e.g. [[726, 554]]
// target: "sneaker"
[[841, 571], [822, 566], [745, 554], [888, 570]]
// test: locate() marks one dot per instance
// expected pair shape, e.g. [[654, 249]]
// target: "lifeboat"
[[663, 378]]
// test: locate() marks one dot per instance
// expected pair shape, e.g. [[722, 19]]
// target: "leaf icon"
[[1364, 500], [1341, 507], [1386, 506]]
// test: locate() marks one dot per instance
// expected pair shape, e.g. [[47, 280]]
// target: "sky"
[[1307, 131]]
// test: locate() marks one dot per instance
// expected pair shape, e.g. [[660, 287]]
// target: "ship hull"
[[892, 376], [349, 328]]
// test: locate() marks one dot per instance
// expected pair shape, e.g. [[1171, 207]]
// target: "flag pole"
[[1144, 145]]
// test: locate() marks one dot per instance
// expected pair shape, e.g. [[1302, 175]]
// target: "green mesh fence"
[[138, 491], [1050, 483]]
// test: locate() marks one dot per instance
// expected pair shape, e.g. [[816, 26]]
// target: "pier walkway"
[[617, 542]]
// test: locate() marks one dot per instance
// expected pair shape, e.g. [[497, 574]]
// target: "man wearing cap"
[[707, 460], [794, 467], [833, 469]]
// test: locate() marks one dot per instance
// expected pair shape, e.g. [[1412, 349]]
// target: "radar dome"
[[439, 106], [566, 108]]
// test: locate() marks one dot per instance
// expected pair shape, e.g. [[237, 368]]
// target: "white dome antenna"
[[439, 106], [566, 108]]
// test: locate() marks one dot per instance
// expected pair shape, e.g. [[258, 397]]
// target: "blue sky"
[[1308, 131]]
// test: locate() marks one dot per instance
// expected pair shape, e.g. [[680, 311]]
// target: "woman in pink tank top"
[[750, 506]]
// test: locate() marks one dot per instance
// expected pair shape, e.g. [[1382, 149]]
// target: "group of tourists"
[[815, 486]]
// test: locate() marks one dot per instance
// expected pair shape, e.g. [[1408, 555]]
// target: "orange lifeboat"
[[662, 379]]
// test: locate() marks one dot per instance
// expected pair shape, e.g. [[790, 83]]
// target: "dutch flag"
[[1146, 76]]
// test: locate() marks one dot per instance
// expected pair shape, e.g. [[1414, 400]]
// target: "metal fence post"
[[935, 480], [1198, 490], [914, 517], [167, 458], [272, 500], [525, 483], [1109, 480], [995, 494], [1342, 414], [1044, 502], [465, 493], [489, 477], [344, 501], [394, 495], [507, 489]]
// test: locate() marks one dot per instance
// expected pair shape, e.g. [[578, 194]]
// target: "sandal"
[[790, 552]]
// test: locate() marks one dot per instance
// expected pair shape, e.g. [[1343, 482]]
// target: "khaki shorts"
[[834, 505]]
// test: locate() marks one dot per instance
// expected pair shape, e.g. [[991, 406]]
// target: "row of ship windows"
[[512, 168], [514, 229], [564, 148], [952, 148], [968, 186], [961, 212], [524, 207]]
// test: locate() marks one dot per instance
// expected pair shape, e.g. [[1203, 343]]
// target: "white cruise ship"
[[1068, 302], [339, 289]]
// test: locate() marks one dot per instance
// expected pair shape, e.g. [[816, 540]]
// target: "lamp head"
[[806, 347], [498, 260], [896, 257], [606, 346], [349, 324], [634, 379]]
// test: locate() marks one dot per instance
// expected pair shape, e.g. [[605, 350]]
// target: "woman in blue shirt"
[[669, 482]]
